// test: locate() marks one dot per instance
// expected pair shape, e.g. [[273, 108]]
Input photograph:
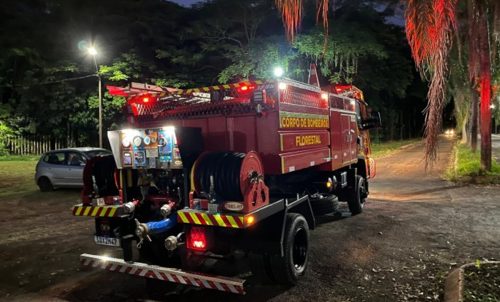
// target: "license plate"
[[107, 241]]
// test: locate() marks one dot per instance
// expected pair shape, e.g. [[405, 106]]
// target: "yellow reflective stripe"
[[226, 86], [103, 212], [112, 212], [206, 218], [195, 218], [232, 221], [183, 217], [242, 219], [86, 212], [94, 212], [206, 88], [236, 85], [216, 87], [78, 211], [219, 220]]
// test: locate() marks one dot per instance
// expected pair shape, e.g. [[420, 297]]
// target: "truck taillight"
[[197, 239], [244, 90]]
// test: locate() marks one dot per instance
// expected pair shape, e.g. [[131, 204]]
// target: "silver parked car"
[[64, 167]]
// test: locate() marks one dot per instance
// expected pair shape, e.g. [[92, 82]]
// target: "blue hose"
[[156, 227]]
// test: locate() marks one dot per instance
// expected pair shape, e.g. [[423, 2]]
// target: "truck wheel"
[[288, 269], [260, 265], [45, 185], [323, 204], [357, 196]]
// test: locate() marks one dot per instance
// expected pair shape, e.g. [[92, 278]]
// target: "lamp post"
[[93, 52]]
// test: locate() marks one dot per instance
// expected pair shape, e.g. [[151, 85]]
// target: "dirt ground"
[[414, 229]]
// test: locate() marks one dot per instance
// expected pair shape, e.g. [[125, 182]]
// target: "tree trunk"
[[486, 121], [485, 87], [464, 133], [473, 120]]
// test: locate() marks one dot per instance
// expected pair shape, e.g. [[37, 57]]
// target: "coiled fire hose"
[[225, 168]]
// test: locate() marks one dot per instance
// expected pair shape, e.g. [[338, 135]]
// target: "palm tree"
[[430, 26]]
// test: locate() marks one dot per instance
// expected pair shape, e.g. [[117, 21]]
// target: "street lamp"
[[278, 71], [93, 52]]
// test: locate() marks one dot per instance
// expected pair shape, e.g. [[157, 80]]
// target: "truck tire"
[[357, 196], [260, 265], [45, 185], [288, 269], [324, 204]]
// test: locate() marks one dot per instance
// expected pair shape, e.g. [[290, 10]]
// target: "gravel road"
[[414, 229]]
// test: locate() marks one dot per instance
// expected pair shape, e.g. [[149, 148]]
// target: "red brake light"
[[196, 239], [244, 89]]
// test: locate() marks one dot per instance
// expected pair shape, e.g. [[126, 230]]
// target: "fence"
[[31, 145]]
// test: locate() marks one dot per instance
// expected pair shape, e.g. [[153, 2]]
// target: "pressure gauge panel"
[[154, 148]]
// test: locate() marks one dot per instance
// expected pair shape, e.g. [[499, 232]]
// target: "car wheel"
[[45, 185]]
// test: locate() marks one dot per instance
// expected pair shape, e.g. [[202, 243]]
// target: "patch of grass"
[[386, 148], [482, 283], [467, 167], [19, 157], [16, 176]]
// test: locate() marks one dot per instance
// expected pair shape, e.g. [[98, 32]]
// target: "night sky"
[[186, 2]]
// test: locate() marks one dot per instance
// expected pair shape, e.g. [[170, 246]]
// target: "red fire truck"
[[229, 174]]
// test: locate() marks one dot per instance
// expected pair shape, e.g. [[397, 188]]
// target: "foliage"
[[48, 86], [340, 60], [5, 132], [257, 59], [429, 29]]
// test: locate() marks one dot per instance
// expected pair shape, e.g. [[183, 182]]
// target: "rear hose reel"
[[237, 177]]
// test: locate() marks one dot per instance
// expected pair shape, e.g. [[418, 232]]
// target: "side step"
[[174, 275]]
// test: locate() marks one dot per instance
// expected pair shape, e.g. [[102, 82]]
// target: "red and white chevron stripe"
[[174, 275]]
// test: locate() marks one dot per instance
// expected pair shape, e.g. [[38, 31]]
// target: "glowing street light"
[[278, 71], [93, 52]]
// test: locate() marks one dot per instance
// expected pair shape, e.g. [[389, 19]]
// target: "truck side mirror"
[[374, 121]]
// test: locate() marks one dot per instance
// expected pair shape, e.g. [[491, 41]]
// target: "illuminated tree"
[[430, 26]]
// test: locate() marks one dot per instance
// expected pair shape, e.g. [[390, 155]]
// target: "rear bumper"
[[225, 284], [99, 211]]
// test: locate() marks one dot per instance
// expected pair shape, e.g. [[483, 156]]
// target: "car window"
[[74, 159], [95, 153], [55, 158]]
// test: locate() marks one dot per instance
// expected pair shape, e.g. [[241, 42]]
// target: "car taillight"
[[197, 239]]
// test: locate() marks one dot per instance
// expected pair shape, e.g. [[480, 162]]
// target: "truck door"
[[345, 123], [353, 125]]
